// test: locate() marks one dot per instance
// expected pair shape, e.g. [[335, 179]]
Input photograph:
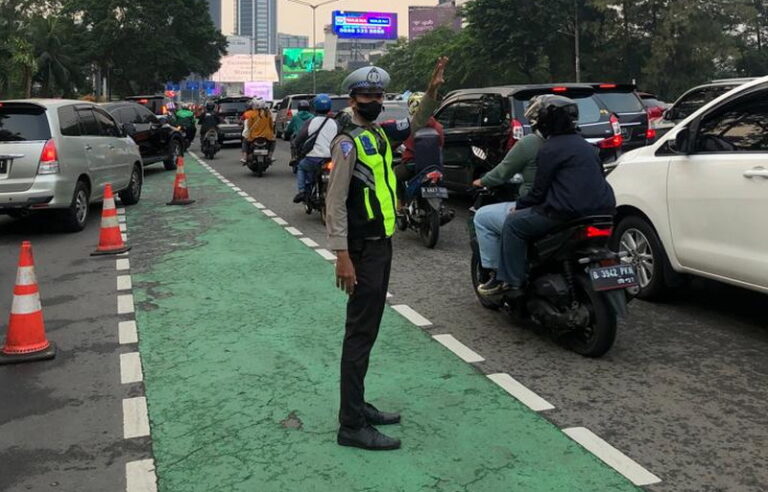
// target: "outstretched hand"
[[438, 76]]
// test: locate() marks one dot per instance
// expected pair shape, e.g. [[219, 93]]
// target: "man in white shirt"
[[322, 129]]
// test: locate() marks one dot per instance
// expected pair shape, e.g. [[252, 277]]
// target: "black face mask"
[[370, 110]]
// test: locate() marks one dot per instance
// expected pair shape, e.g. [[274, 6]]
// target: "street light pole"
[[314, 36]]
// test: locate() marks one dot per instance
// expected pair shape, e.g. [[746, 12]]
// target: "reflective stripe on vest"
[[374, 168]]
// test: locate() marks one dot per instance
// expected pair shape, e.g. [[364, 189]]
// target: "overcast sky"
[[297, 19]]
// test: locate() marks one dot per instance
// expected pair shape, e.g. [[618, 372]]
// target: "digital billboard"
[[244, 68], [299, 60], [422, 20], [364, 25], [258, 88]]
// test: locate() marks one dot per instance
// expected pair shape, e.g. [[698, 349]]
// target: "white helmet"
[[258, 103]]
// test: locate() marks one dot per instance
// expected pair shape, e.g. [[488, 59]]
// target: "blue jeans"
[[306, 171], [520, 228], [488, 223]]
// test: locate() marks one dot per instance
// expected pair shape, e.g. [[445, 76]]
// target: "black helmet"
[[552, 115], [303, 105], [210, 106]]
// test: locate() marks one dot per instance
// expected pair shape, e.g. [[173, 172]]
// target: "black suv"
[[481, 125], [157, 103], [230, 111], [157, 140], [623, 101]]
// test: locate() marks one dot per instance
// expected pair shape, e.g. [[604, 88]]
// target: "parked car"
[[158, 141], [230, 110], [481, 125], [285, 111], [57, 155], [623, 101], [157, 103], [695, 201], [694, 99]]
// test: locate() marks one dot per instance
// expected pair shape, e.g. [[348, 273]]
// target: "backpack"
[[309, 143]]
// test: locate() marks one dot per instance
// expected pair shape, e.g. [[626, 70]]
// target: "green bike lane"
[[240, 332]]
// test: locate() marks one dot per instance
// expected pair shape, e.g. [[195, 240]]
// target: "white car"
[[696, 201]]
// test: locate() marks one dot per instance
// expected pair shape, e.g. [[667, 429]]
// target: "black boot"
[[366, 438]]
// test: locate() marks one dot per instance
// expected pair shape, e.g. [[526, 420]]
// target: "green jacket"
[[297, 122], [520, 159]]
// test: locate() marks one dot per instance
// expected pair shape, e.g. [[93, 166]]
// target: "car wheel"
[[646, 253], [132, 194], [75, 216], [174, 152]]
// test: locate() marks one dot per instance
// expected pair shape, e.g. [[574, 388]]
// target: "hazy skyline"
[[297, 19]]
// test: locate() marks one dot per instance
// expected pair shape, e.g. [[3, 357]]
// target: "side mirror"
[[680, 144], [129, 129]]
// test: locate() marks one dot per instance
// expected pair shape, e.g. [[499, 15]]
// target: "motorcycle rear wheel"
[[597, 338], [430, 228], [479, 276]]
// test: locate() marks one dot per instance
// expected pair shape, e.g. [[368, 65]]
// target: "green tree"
[[58, 71], [328, 81]]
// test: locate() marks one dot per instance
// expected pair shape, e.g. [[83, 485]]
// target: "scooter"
[[315, 197], [210, 144], [258, 159]]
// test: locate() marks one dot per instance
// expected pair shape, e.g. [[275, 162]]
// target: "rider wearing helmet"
[[360, 220], [321, 130], [569, 184], [299, 119], [185, 118], [258, 125], [208, 120]]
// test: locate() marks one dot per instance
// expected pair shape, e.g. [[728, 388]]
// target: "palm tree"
[[55, 67], [23, 58]]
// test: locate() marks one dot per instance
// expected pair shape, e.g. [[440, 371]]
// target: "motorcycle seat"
[[554, 239]]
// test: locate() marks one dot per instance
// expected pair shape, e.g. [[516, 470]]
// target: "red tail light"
[[434, 176], [49, 159], [614, 142], [328, 166], [518, 132], [559, 89], [607, 86], [655, 113], [650, 134], [143, 101], [592, 231]]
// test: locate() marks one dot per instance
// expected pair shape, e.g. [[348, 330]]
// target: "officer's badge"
[[346, 147], [374, 77], [368, 146]]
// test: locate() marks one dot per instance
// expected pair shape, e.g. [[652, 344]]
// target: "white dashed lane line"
[[280, 221], [259, 206], [125, 304], [124, 282], [308, 242], [408, 313], [140, 476], [127, 332], [293, 231], [130, 368], [123, 264], [521, 393], [135, 418], [269, 213], [326, 254], [458, 348]]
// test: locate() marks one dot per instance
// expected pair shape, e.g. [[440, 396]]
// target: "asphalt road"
[[682, 392]]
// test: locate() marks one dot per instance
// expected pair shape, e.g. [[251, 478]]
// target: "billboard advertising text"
[[421, 20], [299, 60], [258, 88], [364, 25]]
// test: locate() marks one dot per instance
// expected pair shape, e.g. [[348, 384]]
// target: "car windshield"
[[233, 107], [393, 112], [23, 123], [692, 101], [589, 110], [621, 102]]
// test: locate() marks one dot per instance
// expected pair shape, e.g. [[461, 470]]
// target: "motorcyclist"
[[299, 119], [185, 118], [259, 125], [208, 120], [325, 130], [569, 184], [489, 220]]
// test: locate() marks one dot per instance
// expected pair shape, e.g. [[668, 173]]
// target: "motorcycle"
[[258, 159], [577, 287], [424, 210], [210, 144], [315, 197]]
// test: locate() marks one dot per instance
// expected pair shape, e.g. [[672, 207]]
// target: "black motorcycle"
[[425, 210], [210, 143], [315, 197], [577, 286], [258, 159]]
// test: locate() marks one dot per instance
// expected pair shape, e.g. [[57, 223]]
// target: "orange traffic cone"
[[180, 191], [110, 239], [25, 340]]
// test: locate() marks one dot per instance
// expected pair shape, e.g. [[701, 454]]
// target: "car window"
[[233, 107], [144, 116], [107, 125], [493, 112], [445, 116], [589, 109], [23, 122], [295, 101], [694, 100], [467, 113], [621, 102], [68, 122], [124, 115], [88, 124], [738, 127]]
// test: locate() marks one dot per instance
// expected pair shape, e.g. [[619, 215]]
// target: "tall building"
[[223, 15], [291, 41], [257, 19], [214, 8]]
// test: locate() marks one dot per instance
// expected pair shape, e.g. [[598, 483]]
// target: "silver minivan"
[[58, 155]]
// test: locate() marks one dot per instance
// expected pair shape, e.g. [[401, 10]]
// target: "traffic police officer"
[[360, 204]]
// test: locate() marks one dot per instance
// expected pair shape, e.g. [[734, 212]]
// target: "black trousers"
[[372, 261]]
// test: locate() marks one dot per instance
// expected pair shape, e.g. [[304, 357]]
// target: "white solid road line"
[[127, 332], [516, 389], [130, 368], [269, 213], [612, 456], [293, 231], [326, 254], [123, 264], [280, 221], [135, 418], [140, 476], [458, 348], [125, 304], [408, 313], [307, 241], [124, 282]]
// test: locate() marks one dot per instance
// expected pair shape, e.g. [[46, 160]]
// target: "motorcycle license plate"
[[434, 192], [613, 277], [3, 166], [260, 152]]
